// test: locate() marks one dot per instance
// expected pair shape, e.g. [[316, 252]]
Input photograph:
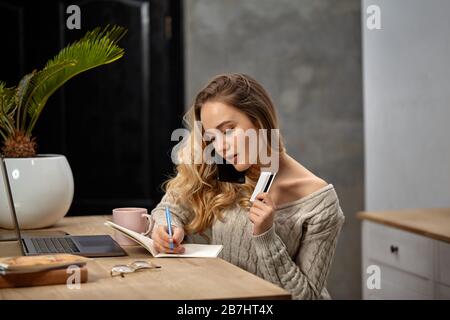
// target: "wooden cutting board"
[[42, 278]]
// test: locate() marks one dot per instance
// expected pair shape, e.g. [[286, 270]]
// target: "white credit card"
[[264, 182]]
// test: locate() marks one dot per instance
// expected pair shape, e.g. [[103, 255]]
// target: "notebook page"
[[193, 250]]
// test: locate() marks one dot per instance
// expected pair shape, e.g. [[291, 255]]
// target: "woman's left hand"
[[261, 213]]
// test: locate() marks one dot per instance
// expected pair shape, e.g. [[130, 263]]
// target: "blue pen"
[[169, 226]]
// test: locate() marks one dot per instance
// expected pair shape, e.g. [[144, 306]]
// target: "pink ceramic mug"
[[135, 219]]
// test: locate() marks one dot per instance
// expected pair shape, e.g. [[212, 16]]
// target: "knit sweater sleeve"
[[181, 215], [304, 275]]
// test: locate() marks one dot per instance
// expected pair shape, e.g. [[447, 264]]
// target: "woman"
[[287, 235]]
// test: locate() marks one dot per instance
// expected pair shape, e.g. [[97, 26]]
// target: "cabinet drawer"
[[400, 249], [396, 284], [443, 274]]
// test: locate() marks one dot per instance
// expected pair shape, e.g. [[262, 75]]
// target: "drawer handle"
[[394, 249]]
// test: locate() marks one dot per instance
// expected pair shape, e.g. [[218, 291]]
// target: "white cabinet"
[[443, 270], [411, 266], [397, 284]]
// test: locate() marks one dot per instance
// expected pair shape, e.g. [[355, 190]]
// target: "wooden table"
[[433, 222], [179, 278]]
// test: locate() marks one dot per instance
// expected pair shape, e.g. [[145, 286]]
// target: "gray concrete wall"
[[307, 53], [406, 105]]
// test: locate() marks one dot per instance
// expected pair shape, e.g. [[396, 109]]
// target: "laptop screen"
[[8, 217]]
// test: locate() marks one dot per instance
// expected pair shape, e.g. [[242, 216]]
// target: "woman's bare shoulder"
[[310, 185], [296, 188]]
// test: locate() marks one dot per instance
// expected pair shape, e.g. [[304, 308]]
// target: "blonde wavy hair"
[[195, 185]]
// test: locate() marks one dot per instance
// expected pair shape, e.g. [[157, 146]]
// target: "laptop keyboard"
[[54, 245]]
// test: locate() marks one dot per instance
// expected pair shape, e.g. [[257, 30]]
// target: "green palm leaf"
[[7, 105], [31, 84], [96, 48], [21, 106], [7, 109], [22, 93]]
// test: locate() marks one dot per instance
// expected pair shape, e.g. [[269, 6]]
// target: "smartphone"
[[226, 172]]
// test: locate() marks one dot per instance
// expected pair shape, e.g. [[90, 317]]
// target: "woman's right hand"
[[162, 239]]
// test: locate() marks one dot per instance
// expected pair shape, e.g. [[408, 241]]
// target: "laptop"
[[88, 246]]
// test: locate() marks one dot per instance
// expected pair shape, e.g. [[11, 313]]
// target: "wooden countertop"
[[433, 223]]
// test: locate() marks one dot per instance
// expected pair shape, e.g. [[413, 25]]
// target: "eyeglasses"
[[122, 269]]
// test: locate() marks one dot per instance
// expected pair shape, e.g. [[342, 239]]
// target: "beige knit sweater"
[[295, 254]]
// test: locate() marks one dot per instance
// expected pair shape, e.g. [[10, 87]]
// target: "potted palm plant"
[[42, 184]]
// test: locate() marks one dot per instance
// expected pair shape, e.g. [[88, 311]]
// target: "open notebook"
[[191, 250]]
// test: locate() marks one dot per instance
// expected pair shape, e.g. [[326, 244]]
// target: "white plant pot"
[[42, 188]]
